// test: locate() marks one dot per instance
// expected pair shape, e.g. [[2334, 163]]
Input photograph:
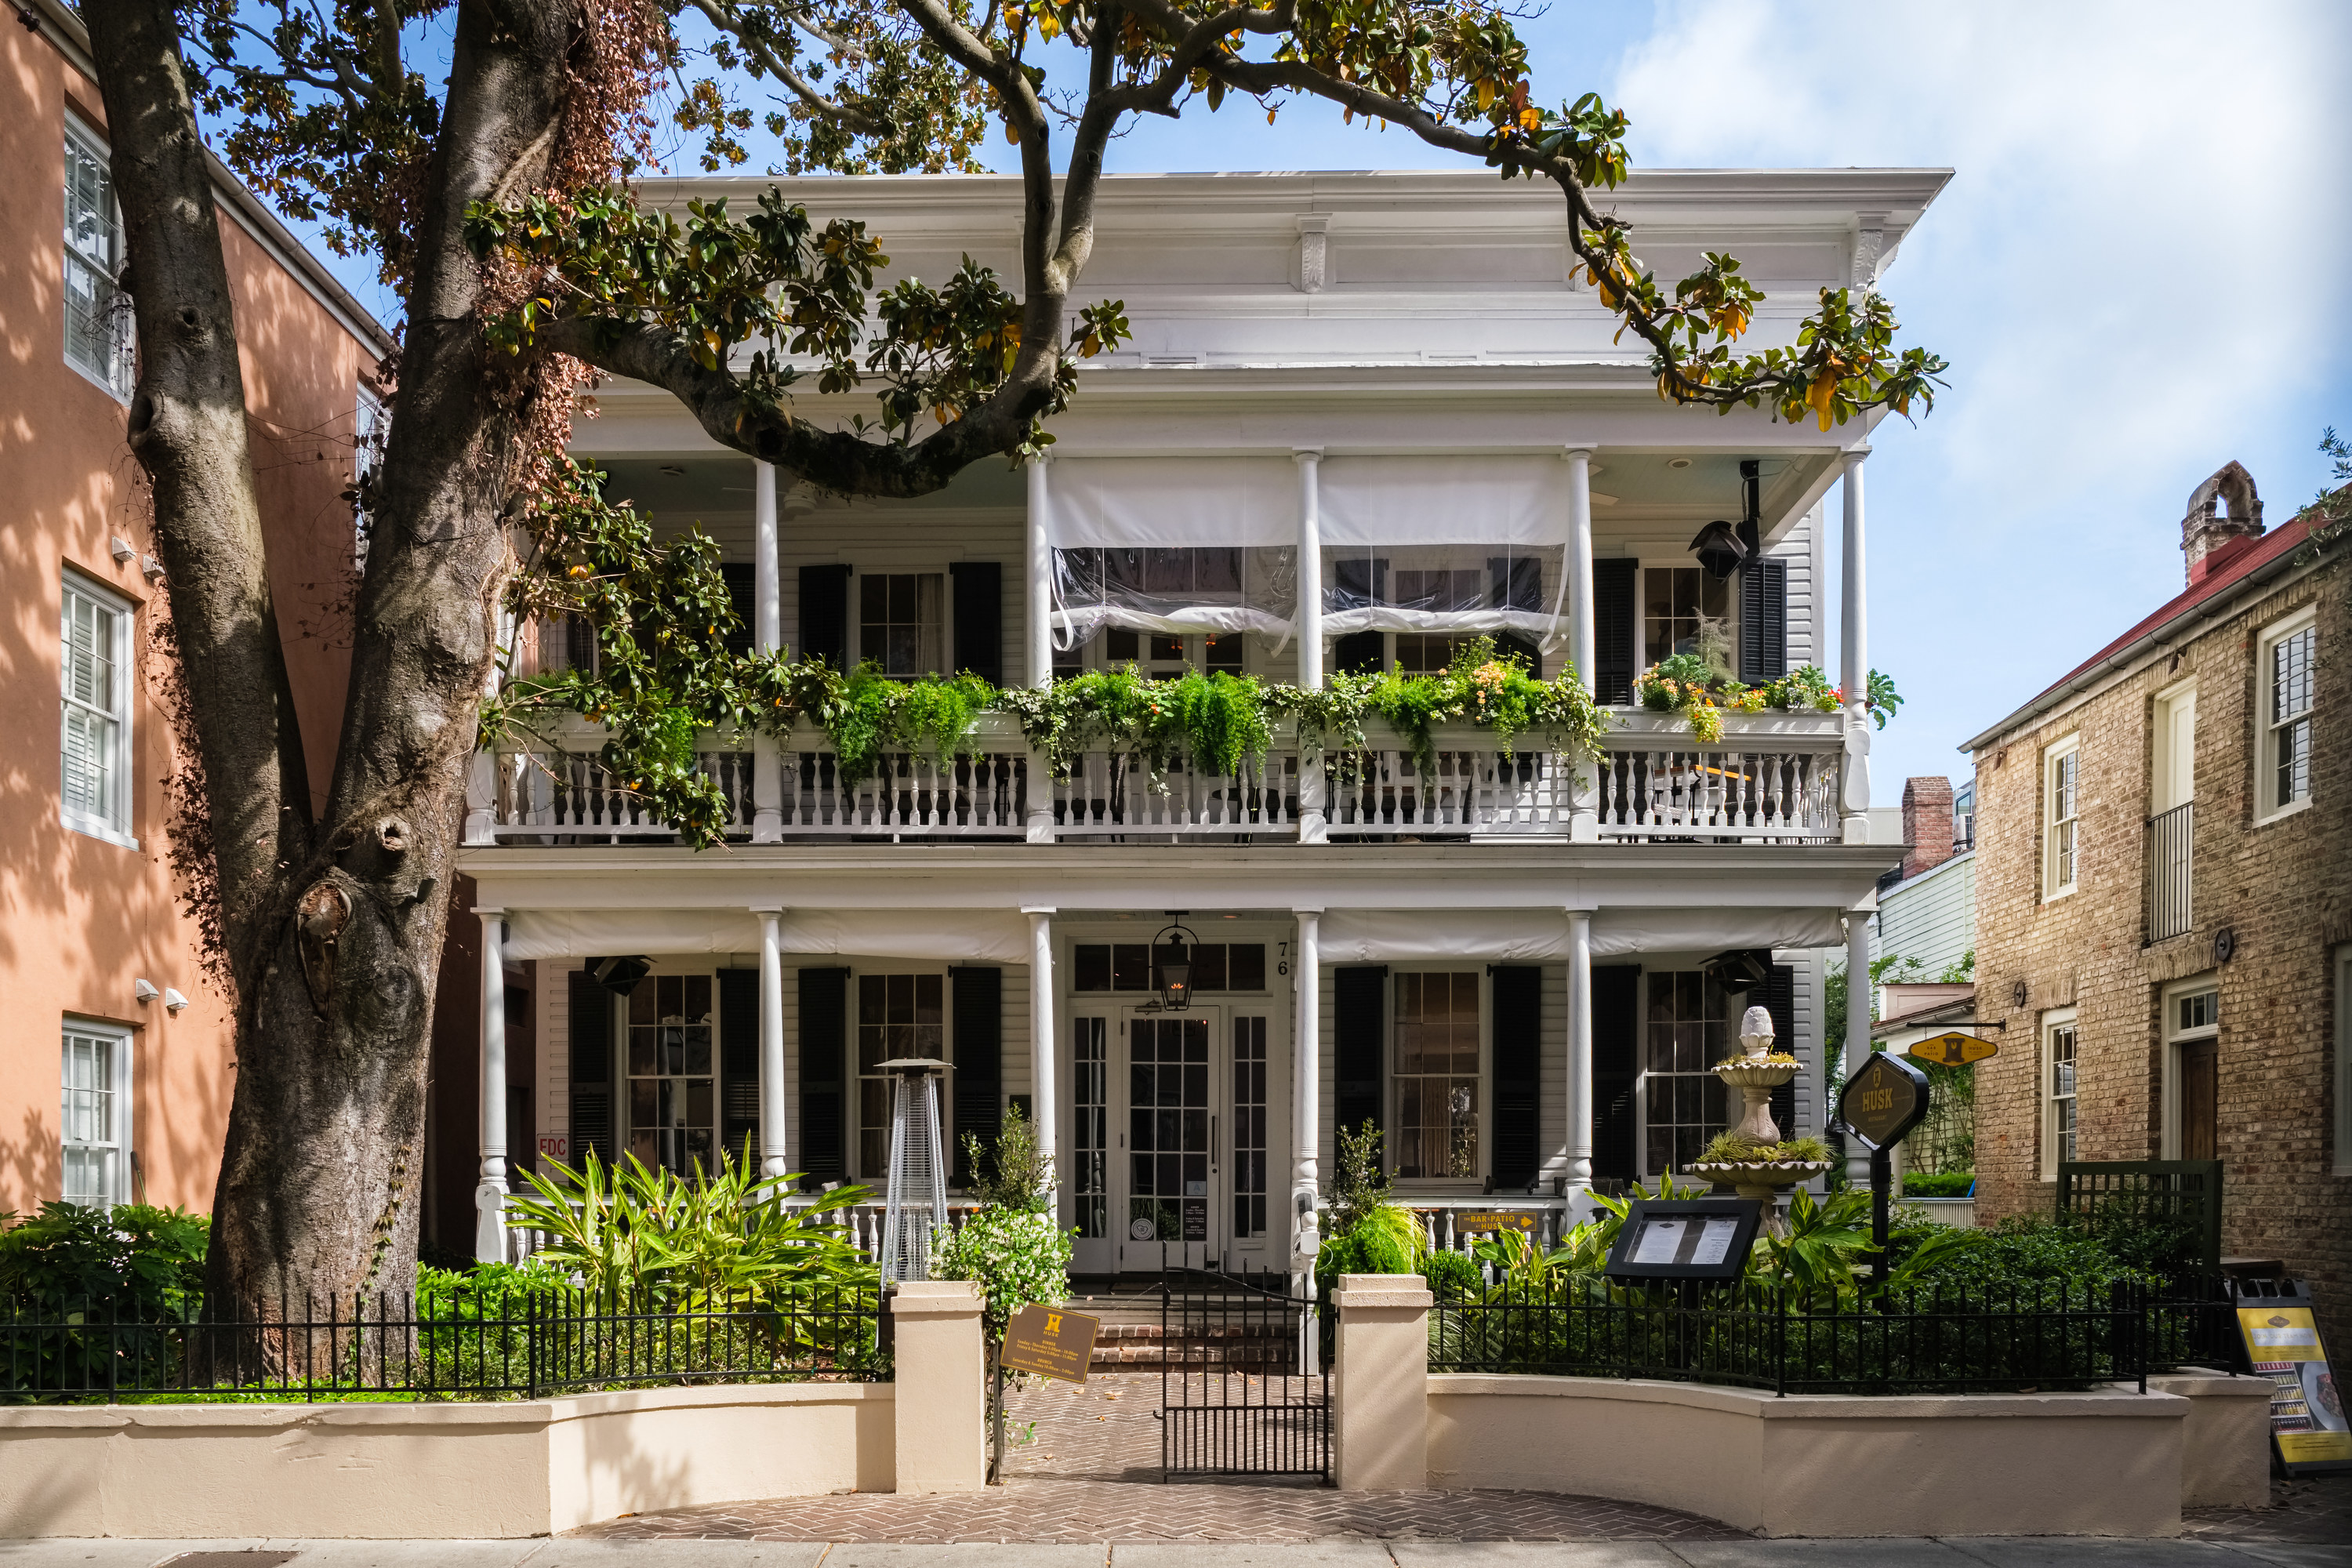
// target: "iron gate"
[[1243, 1389]]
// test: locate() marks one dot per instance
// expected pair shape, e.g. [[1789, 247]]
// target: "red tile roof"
[[2241, 559]]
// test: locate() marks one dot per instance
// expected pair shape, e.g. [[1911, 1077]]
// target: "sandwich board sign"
[[2308, 1427]]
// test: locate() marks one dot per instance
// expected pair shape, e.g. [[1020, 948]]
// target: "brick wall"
[[2283, 888]]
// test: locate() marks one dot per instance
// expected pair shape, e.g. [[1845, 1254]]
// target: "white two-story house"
[[1363, 416]]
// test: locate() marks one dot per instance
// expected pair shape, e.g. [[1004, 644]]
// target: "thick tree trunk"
[[334, 930]]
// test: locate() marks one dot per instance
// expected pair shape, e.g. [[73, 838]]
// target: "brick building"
[[2164, 899]]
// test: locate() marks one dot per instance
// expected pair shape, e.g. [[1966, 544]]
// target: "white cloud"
[[2137, 273]]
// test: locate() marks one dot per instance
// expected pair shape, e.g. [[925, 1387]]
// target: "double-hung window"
[[1437, 1076], [94, 1125], [1684, 610], [902, 622], [1687, 1030], [2284, 682], [98, 316], [95, 656], [899, 1017], [2061, 817], [2059, 1036]]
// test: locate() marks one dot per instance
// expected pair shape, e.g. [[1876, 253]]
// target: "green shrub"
[[132, 1261], [632, 1232], [1939, 1184], [2024, 1254], [1451, 1276]]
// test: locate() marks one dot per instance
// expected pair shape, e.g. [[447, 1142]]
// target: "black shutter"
[[1616, 630], [824, 615], [1518, 1075], [580, 642], [1360, 653], [824, 1052], [1777, 996], [1517, 583], [739, 1063], [1616, 1069], [592, 1069], [979, 589], [979, 1004], [1511, 645], [1359, 1047], [1763, 620], [742, 591], [1359, 582]]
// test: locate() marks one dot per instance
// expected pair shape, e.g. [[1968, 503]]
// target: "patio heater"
[[914, 1198]]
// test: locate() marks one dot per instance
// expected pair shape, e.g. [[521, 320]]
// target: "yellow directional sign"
[[1950, 1050]]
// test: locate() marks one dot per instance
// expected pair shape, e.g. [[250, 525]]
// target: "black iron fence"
[[465, 1345], [2037, 1338], [2171, 836]]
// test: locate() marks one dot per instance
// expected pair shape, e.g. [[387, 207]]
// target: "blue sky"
[[2139, 272]]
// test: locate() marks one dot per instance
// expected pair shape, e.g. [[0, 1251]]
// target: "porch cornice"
[[1077, 879]]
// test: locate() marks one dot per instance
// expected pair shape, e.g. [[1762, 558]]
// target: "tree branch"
[[188, 430], [765, 59]]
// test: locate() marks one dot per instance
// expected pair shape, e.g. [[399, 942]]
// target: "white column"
[[1855, 677], [1580, 631], [1580, 1051], [1583, 819], [773, 1149], [1313, 824], [768, 631], [482, 799], [1305, 1082], [1857, 1044], [1040, 566], [1043, 1092], [490, 1191]]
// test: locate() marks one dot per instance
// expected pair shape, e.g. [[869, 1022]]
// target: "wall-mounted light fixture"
[[151, 568], [121, 549], [145, 991], [172, 1001], [1173, 959]]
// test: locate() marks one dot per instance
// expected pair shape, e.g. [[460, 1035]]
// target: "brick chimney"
[[1926, 824], [2224, 516]]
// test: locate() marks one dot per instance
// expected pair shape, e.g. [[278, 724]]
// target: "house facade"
[[115, 1052], [1363, 417], [2164, 915]]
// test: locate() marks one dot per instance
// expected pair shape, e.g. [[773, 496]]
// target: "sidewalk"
[[2011, 1553]]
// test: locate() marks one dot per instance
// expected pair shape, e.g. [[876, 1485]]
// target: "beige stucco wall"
[[2225, 1453], [2100, 1463], [394, 1470], [1379, 1385]]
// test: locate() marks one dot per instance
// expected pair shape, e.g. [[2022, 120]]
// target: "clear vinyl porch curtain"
[[1453, 546], [1173, 545]]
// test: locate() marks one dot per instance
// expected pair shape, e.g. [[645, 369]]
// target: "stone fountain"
[[1756, 1072]]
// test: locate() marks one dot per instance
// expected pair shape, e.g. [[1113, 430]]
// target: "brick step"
[[1251, 1356], [1195, 1333]]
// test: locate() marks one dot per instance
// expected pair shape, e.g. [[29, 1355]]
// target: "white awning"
[[1540, 936], [1427, 500], [958, 936], [1119, 502]]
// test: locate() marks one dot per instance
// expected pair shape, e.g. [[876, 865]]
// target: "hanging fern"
[[1224, 719]]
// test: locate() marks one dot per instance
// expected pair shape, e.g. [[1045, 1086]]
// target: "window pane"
[[1684, 1102], [1437, 1074]]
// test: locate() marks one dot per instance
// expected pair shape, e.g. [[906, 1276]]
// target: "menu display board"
[[2308, 1425], [1701, 1239]]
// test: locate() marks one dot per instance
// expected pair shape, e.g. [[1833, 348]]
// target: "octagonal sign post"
[[1885, 1098]]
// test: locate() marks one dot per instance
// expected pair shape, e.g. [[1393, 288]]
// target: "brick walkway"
[[1091, 1473], [2316, 1510]]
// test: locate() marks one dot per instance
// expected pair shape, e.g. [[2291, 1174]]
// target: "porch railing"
[[1771, 778]]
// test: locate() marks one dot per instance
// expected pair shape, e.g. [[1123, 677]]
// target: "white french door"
[[1172, 1133]]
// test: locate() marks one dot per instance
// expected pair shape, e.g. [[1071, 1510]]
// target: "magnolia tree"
[[499, 203]]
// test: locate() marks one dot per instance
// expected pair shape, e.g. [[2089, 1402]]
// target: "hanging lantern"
[[1173, 959]]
